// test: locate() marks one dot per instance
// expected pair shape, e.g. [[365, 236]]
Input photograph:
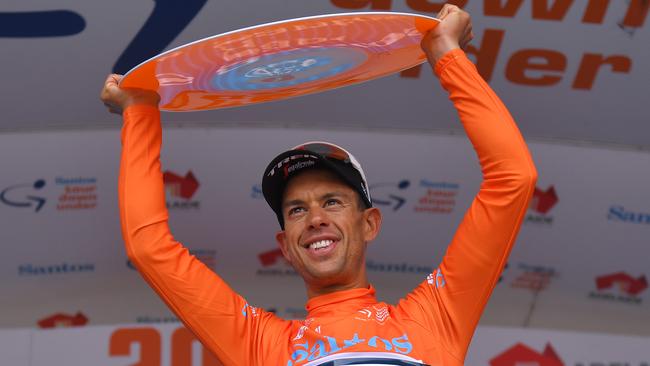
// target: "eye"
[[331, 202], [295, 210]]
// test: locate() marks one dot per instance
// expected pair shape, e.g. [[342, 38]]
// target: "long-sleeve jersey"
[[432, 325]]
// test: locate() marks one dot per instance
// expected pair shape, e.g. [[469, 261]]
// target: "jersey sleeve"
[[235, 332], [450, 301]]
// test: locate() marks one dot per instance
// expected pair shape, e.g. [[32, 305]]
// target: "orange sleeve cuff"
[[447, 59], [140, 109]]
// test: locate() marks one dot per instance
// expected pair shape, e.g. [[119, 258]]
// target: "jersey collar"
[[341, 302]]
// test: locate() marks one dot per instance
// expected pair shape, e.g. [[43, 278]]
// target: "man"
[[319, 194]]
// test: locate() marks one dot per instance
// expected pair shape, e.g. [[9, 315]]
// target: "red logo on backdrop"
[[274, 264], [520, 354], [182, 187], [625, 282], [543, 201], [271, 257], [540, 206], [63, 320]]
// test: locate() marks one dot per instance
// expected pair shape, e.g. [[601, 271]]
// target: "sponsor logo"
[[61, 320], [250, 310], [57, 269], [541, 205], [520, 355], [149, 319], [290, 169], [180, 190], [274, 264], [256, 191], [373, 266], [533, 277], [308, 157], [612, 363], [77, 193], [618, 213], [303, 328], [206, 256], [24, 195], [44, 23], [433, 197], [390, 194], [271, 257], [436, 279], [439, 198], [327, 346], [621, 287], [376, 313], [153, 37]]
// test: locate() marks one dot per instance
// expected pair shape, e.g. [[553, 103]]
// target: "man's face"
[[326, 232]]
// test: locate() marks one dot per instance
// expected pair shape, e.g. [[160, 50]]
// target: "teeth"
[[320, 244]]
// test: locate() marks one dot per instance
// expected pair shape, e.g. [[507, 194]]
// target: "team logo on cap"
[[283, 162], [289, 169]]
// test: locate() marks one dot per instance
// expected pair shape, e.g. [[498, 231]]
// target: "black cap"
[[311, 155]]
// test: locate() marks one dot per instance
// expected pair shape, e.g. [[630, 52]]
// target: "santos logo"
[[64, 268], [318, 353], [618, 213]]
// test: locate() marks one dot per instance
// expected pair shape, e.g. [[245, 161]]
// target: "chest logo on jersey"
[[377, 313], [313, 350]]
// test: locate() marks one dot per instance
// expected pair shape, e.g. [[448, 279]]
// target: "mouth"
[[321, 247]]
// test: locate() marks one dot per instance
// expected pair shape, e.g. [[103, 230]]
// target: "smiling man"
[[320, 196]]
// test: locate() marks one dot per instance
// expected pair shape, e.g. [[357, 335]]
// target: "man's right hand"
[[118, 99]]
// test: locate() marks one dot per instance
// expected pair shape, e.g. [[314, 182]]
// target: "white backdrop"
[[568, 70], [590, 220]]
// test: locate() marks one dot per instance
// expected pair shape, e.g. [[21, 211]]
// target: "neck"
[[314, 289]]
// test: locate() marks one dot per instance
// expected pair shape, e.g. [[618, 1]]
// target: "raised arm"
[[452, 299], [220, 318]]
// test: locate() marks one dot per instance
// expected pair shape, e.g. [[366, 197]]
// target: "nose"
[[317, 217]]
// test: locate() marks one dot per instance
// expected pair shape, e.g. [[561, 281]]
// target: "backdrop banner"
[[173, 345], [576, 265]]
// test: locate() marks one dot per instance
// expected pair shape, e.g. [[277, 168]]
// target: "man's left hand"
[[453, 31]]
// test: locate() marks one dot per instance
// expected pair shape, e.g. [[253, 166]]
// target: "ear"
[[372, 223], [281, 238]]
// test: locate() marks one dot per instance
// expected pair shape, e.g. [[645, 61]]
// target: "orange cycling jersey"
[[432, 325]]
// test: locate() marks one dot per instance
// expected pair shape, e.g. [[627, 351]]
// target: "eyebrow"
[[326, 196]]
